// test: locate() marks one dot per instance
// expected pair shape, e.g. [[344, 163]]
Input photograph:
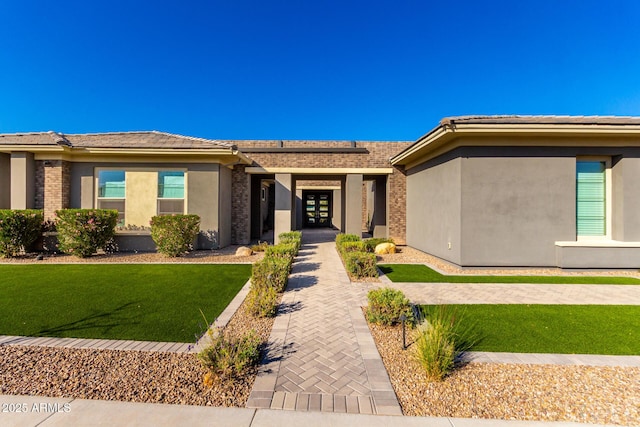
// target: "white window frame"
[[608, 198]]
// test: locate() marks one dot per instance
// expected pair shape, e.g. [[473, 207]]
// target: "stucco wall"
[[23, 181], [434, 207], [514, 209], [224, 207], [5, 181], [202, 193], [626, 198], [516, 203]]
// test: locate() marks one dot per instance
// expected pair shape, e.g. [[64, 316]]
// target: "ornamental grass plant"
[[229, 356], [442, 338]]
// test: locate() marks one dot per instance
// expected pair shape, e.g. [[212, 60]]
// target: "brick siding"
[[377, 156], [53, 186]]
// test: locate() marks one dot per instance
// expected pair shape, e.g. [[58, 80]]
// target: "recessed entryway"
[[317, 207]]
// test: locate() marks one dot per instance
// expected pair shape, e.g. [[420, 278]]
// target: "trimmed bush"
[[386, 305], [260, 246], [262, 301], [282, 250], [19, 229], [294, 237], [174, 234], [81, 232], [353, 247], [441, 338], [370, 244], [360, 264], [271, 272], [341, 238], [228, 356]]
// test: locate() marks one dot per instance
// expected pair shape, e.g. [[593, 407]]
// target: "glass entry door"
[[317, 208]]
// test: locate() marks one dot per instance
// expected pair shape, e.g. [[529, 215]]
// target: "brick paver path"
[[506, 293], [322, 356]]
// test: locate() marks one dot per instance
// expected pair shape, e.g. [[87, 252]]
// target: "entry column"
[[353, 204], [283, 195], [23, 186]]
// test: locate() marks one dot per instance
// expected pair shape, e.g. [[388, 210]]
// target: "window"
[[111, 192], [592, 198], [170, 192]]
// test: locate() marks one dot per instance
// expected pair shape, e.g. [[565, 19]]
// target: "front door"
[[317, 208]]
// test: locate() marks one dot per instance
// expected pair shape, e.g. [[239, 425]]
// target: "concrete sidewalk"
[[61, 412]]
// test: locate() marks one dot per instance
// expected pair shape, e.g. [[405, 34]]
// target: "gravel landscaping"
[[601, 395], [134, 376]]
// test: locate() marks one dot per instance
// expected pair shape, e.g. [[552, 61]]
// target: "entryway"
[[317, 208]]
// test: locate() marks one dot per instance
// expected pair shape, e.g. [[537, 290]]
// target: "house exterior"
[[475, 191], [240, 189], [526, 191]]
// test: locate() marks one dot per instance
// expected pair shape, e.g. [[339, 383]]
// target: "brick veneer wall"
[[377, 156], [53, 186], [240, 206]]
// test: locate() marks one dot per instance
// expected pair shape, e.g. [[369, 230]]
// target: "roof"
[[124, 140], [540, 120], [444, 137]]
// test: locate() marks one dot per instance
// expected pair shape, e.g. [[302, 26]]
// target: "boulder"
[[244, 251], [385, 248]]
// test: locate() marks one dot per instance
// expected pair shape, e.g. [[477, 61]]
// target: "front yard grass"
[[148, 302], [422, 273], [568, 329]]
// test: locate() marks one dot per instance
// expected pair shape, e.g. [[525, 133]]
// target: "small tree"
[[18, 230], [174, 234], [81, 232]]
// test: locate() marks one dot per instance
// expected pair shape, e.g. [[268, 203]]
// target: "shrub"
[[282, 250], [229, 356], [370, 244], [441, 338], [262, 301], [360, 264], [81, 232], [294, 237], [353, 247], [386, 305], [271, 272], [341, 238], [260, 246], [18, 230], [174, 234]]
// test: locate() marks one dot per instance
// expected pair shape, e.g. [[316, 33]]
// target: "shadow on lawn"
[[103, 322]]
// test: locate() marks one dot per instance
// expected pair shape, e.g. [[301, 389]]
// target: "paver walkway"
[[322, 356], [516, 293]]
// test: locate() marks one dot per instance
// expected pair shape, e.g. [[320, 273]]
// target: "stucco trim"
[[320, 171], [598, 244], [445, 137]]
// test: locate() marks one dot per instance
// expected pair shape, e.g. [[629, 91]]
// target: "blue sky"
[[378, 70]]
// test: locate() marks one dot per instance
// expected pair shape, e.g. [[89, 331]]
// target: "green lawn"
[[569, 329], [422, 273], [154, 302]]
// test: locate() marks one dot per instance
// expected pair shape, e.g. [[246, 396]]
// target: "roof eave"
[[449, 130]]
